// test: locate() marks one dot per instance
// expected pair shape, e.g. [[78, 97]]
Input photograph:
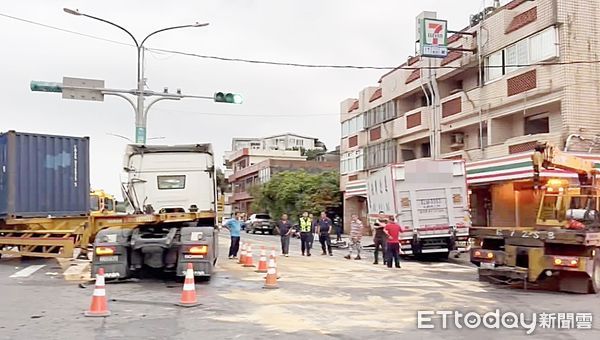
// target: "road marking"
[[28, 271]]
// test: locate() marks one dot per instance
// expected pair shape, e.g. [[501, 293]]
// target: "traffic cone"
[[99, 306], [188, 294], [273, 255], [242, 254], [249, 258], [262, 263], [271, 280]]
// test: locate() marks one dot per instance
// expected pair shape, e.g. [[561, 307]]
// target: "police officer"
[[305, 233]]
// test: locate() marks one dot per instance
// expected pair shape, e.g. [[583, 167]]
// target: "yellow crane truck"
[[562, 252]]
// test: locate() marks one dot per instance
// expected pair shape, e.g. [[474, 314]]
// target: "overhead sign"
[[83, 89], [433, 38]]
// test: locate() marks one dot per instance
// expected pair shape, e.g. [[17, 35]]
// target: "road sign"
[[83, 89], [433, 38]]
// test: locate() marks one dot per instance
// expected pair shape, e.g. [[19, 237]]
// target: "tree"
[[222, 182], [293, 192]]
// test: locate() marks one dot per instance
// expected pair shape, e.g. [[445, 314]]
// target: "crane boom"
[[548, 156]]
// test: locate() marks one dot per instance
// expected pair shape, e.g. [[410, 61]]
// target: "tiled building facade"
[[537, 81]]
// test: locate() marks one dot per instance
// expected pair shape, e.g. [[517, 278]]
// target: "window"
[[425, 150], [345, 129], [408, 154], [352, 161], [171, 182], [381, 113], [353, 125], [494, 66], [94, 203], [381, 154], [533, 49], [109, 204], [537, 124]]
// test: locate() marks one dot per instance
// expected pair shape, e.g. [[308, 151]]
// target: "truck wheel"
[[247, 231], [595, 279]]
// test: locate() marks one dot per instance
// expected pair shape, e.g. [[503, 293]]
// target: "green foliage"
[[293, 192]]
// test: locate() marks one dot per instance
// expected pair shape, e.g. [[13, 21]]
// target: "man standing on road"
[[380, 240], [355, 237], [337, 222], [393, 230], [305, 233], [285, 230], [234, 226], [324, 225]]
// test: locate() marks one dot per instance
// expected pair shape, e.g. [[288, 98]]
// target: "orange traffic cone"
[[273, 255], [99, 306], [242, 254], [262, 263], [188, 295], [249, 258], [271, 280]]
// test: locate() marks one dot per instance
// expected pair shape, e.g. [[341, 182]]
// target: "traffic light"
[[43, 86], [230, 98]]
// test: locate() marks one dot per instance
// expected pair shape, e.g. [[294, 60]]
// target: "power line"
[[303, 65], [64, 30]]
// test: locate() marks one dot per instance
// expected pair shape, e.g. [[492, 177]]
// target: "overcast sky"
[[361, 32]]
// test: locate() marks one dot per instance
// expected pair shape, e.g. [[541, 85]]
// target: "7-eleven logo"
[[435, 31]]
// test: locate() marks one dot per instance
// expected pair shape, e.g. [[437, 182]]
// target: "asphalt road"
[[320, 297]]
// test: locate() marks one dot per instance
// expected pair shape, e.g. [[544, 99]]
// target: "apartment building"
[[255, 167], [262, 172], [533, 82], [249, 152], [286, 141]]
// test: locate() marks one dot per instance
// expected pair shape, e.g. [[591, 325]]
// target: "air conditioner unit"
[[457, 140]]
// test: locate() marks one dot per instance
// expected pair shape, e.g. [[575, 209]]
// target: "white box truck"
[[429, 199]]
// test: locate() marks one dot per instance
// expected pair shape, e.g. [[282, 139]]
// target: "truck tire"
[[595, 279]]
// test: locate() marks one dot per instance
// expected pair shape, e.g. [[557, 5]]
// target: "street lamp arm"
[[171, 28], [113, 24], [155, 101], [124, 97]]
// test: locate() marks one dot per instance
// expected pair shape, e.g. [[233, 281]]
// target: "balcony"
[[240, 196], [506, 94], [513, 145]]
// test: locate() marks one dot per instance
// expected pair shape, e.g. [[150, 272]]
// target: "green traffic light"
[[43, 86], [229, 98]]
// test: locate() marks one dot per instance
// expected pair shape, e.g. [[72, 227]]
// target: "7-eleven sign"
[[433, 38]]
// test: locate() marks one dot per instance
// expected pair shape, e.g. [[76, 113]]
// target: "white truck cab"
[[178, 178]]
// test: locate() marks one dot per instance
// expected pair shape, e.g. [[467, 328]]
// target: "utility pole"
[[93, 89]]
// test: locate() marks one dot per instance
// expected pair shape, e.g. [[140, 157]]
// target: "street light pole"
[[140, 112]]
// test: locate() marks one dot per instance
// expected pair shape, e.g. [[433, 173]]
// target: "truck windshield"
[[94, 203], [109, 204], [171, 182], [263, 217]]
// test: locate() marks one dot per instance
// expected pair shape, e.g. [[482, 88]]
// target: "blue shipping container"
[[42, 175]]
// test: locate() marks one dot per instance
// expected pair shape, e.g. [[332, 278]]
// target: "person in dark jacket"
[[339, 227], [380, 240], [285, 230], [324, 226]]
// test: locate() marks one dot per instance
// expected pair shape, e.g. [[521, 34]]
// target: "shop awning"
[[514, 167]]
